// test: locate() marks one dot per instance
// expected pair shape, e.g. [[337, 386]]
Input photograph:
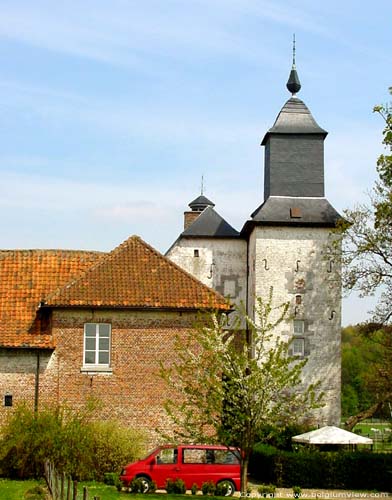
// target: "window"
[[8, 400], [195, 252], [298, 345], [97, 344], [299, 326], [167, 456]]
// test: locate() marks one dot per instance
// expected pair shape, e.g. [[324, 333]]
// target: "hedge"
[[327, 470]]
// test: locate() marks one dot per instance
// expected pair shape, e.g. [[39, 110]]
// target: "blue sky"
[[111, 111]]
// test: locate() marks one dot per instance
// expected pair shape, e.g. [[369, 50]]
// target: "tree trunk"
[[244, 475], [351, 422]]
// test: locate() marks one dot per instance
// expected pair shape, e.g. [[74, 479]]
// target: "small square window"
[[8, 400], [298, 300], [195, 252], [298, 345], [299, 326]]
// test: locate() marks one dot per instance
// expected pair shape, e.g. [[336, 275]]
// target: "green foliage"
[[266, 490], [325, 470], [359, 357], [176, 487], [36, 493], [112, 479], [76, 445], [280, 436], [194, 489], [367, 248], [297, 491], [208, 488], [233, 389]]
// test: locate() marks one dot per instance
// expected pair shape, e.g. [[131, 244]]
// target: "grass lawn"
[[15, 490]]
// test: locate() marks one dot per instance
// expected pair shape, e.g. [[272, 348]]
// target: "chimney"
[[189, 218]]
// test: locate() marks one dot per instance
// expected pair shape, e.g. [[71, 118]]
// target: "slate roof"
[[210, 224], [135, 275], [294, 211], [25, 277], [200, 203], [294, 118]]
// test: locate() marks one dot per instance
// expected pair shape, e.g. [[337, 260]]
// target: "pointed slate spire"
[[293, 84]]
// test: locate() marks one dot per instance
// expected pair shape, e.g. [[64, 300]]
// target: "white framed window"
[[96, 350], [298, 345], [299, 326]]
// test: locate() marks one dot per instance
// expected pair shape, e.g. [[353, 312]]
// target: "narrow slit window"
[[8, 400], [195, 252]]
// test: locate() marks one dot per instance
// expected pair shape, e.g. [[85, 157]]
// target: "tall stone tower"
[[292, 246], [288, 244]]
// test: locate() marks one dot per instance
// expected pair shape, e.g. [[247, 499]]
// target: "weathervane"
[[202, 185]]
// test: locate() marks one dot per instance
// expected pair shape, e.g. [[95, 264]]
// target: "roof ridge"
[[114, 253]]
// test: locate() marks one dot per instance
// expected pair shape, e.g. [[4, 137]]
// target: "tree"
[[367, 263], [367, 243], [235, 382]]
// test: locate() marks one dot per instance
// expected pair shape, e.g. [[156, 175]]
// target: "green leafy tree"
[[367, 248], [360, 355], [233, 383], [367, 264]]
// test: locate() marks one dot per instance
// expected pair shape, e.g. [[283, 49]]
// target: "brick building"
[[79, 324]]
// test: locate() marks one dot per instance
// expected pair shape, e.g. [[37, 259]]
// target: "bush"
[[327, 470], [77, 446], [208, 488], [176, 487], [36, 493], [266, 490], [194, 489], [297, 492]]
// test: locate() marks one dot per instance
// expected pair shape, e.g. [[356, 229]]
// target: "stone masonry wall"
[[220, 263], [297, 264]]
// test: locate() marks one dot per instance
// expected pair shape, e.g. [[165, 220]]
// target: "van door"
[[165, 466], [194, 467]]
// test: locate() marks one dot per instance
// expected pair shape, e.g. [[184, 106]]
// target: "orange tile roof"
[[135, 275], [26, 276]]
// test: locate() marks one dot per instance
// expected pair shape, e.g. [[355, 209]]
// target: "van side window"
[[225, 457], [167, 456], [194, 456]]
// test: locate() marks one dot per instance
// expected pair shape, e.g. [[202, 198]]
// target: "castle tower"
[[288, 244], [292, 248]]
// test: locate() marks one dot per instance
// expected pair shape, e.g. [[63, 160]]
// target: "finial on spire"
[[293, 84], [202, 185], [293, 50]]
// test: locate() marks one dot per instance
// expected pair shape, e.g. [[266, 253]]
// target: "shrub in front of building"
[[317, 469], [71, 440]]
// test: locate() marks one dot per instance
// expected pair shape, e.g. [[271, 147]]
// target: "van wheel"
[[228, 486], [145, 484]]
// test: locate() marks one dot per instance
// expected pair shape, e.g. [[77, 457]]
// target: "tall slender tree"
[[234, 382]]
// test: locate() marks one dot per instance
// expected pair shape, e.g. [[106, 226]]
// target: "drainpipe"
[[36, 392]]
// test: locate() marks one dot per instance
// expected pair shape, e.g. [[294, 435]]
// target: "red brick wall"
[[133, 393]]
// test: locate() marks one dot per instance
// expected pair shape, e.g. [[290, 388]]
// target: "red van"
[[194, 464]]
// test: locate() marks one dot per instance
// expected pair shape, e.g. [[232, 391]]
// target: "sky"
[[112, 111]]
